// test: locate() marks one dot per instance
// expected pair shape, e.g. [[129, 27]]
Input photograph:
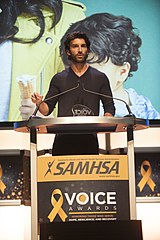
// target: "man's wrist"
[[38, 104], [108, 114]]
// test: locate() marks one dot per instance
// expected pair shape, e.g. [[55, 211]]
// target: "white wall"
[[15, 223], [149, 213]]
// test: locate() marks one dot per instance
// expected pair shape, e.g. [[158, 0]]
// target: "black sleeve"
[[108, 103], [51, 98]]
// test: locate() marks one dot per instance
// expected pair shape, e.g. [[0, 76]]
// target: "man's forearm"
[[43, 108]]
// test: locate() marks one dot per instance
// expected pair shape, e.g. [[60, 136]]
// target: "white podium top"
[[82, 124]]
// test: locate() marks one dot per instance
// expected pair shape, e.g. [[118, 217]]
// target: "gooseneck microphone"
[[54, 96], [107, 96]]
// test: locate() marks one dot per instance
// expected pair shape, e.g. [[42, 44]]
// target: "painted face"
[[117, 75], [78, 52], [111, 70]]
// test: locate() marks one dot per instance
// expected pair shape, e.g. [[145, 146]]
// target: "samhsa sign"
[[83, 188]]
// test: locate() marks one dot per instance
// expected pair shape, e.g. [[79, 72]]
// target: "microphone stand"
[[114, 98], [57, 95]]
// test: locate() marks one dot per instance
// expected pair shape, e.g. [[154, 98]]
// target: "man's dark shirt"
[[92, 80]]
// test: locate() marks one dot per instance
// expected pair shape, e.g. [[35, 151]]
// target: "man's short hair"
[[71, 36]]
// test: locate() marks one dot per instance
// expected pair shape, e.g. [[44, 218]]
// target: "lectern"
[[82, 124]]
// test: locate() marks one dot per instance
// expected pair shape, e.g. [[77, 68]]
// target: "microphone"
[[57, 95], [114, 98]]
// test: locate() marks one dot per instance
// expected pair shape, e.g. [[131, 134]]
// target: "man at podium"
[[78, 91]]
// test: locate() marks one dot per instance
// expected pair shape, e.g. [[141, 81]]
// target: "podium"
[[87, 124], [112, 230]]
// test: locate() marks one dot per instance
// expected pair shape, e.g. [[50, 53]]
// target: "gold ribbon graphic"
[[146, 177], [57, 206], [2, 185]]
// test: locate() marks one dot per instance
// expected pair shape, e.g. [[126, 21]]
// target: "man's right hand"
[[42, 106], [36, 98]]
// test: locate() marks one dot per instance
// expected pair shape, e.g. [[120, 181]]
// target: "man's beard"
[[75, 59]]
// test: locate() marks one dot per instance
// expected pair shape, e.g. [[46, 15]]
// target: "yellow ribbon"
[[57, 206], [146, 176], [2, 185]]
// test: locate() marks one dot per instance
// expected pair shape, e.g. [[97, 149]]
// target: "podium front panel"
[[83, 188]]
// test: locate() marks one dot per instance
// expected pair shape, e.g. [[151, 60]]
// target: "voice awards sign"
[[83, 188]]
